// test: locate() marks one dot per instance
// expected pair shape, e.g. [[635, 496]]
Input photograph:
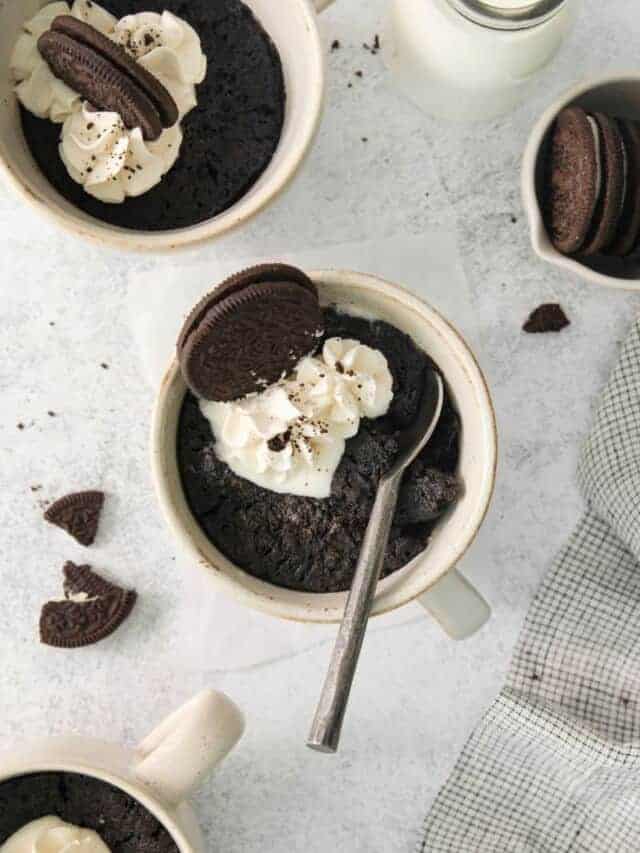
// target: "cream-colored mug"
[[293, 27], [161, 774], [431, 578]]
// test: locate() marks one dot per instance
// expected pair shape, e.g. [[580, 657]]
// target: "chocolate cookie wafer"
[[78, 514], [574, 179], [237, 282], [250, 331]]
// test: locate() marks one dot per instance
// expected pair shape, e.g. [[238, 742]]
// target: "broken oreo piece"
[[546, 318], [92, 610], [78, 514], [100, 82], [250, 332]]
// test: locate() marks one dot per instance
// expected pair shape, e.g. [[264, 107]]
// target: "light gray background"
[[417, 695]]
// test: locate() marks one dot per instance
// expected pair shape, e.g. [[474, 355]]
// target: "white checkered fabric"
[[554, 767]]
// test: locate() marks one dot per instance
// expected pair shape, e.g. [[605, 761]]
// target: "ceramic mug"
[[618, 94], [432, 577], [161, 774], [292, 26]]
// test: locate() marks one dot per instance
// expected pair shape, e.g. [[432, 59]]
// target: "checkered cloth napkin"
[[555, 764]]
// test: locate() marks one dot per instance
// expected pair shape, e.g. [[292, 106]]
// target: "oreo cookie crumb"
[[335, 45], [546, 318]]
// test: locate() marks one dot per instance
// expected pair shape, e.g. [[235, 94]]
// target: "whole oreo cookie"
[[609, 208], [86, 34], [628, 235], [250, 332], [574, 179], [100, 82]]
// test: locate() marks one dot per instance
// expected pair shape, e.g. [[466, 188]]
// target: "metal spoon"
[[325, 730]]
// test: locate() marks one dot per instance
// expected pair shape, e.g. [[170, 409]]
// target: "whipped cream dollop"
[[291, 437], [112, 162], [170, 49], [109, 160], [52, 835]]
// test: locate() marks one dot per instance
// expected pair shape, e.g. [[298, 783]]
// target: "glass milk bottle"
[[470, 59]]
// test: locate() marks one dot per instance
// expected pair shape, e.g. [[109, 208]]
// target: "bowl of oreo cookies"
[[581, 182], [155, 124], [284, 407]]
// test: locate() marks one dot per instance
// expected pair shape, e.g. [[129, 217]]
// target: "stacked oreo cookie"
[[591, 193]]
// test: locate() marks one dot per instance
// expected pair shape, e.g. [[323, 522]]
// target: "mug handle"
[[177, 756], [321, 5], [456, 606]]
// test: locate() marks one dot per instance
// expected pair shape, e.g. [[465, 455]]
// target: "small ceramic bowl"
[[619, 95], [295, 33], [431, 578]]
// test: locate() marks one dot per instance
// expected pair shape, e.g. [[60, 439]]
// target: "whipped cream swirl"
[[109, 160], [52, 835], [291, 437], [112, 162], [170, 49]]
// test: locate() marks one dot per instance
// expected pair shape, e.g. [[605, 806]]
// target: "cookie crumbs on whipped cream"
[[290, 438]]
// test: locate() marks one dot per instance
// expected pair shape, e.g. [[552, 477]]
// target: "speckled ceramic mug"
[[292, 26], [431, 578], [164, 770]]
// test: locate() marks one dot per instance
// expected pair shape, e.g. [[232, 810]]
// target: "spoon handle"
[[327, 724]]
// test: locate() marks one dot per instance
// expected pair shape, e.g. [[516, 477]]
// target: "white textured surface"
[[417, 695]]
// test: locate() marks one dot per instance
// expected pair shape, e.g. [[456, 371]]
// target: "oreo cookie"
[[152, 87], [574, 179], [253, 329], [591, 198], [612, 193], [99, 80], [92, 610], [78, 514]]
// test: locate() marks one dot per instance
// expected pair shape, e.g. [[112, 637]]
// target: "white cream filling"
[[291, 437], [110, 161], [52, 835]]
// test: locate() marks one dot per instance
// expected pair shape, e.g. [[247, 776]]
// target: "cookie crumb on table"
[[546, 318]]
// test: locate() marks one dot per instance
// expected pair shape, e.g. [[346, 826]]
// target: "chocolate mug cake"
[[149, 115], [280, 455], [63, 810]]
